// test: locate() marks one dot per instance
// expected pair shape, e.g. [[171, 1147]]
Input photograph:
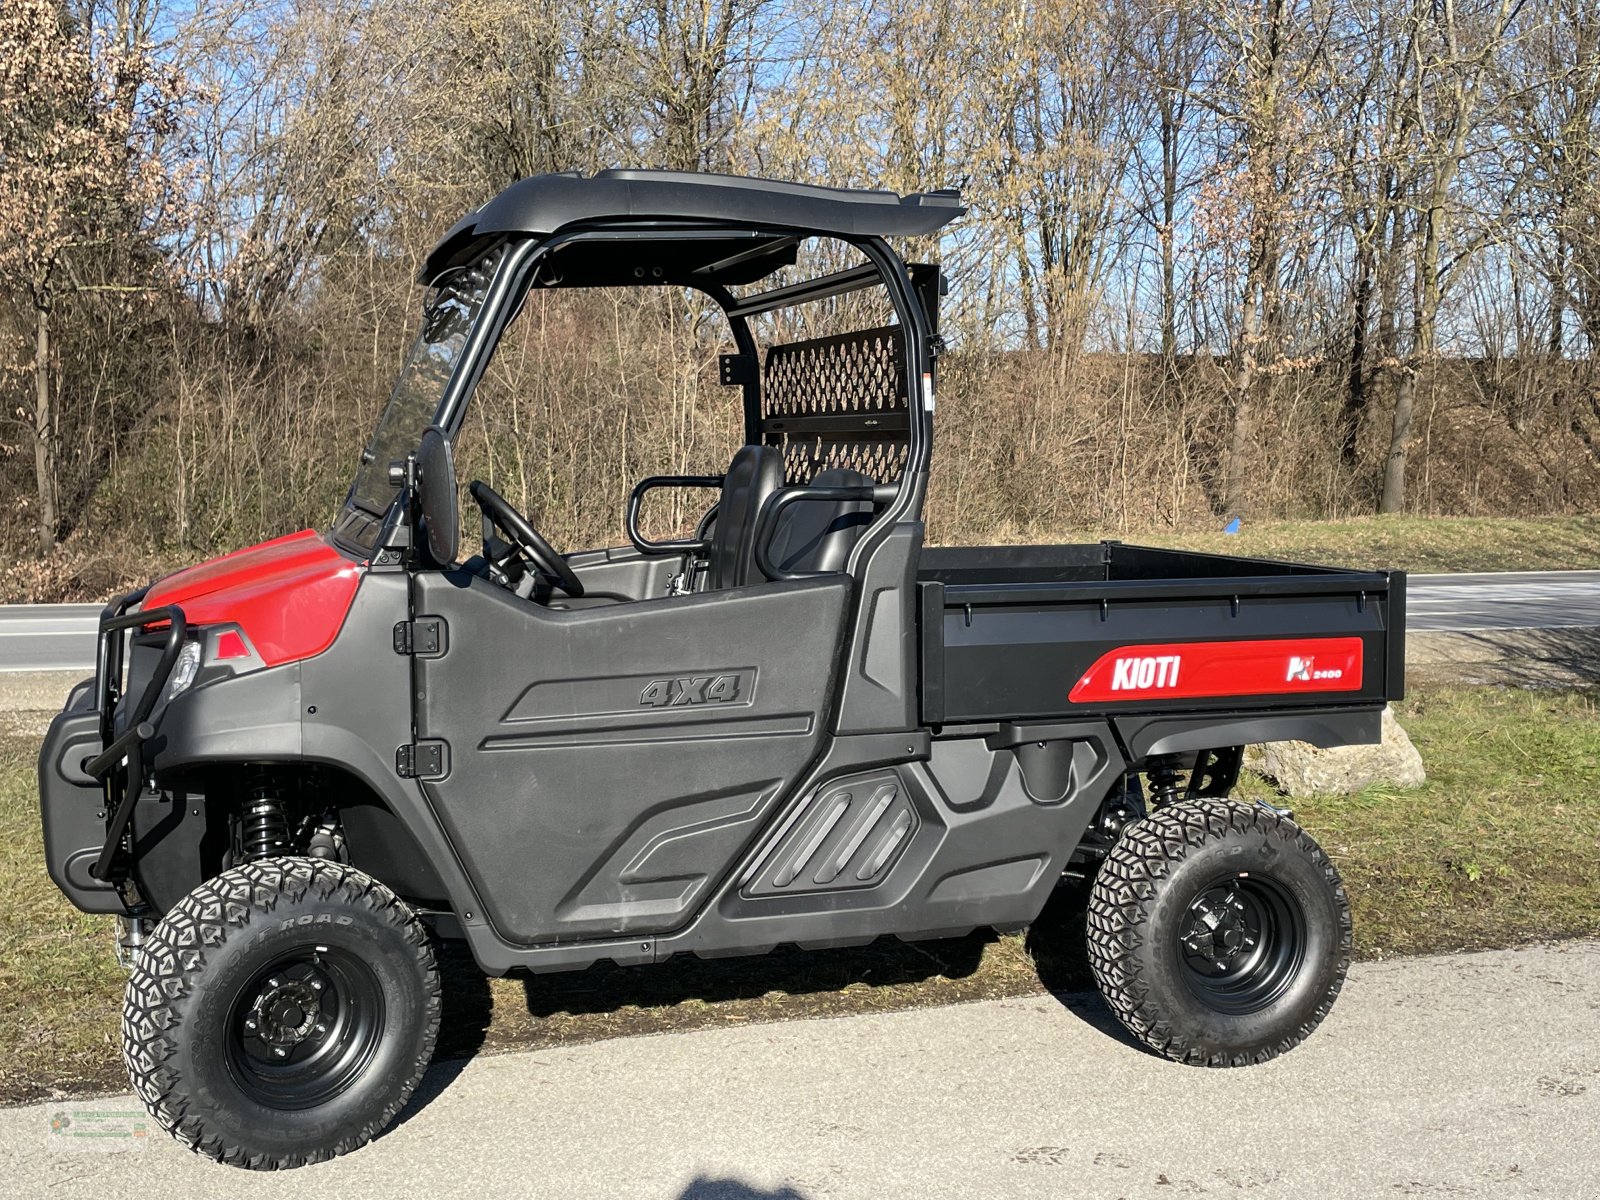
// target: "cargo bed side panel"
[[1002, 652]]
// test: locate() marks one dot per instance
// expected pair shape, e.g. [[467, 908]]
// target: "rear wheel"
[[1218, 932], [281, 1013]]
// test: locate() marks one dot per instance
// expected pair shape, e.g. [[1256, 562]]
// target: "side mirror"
[[437, 502]]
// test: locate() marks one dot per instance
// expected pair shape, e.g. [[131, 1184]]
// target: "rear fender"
[[1145, 736]]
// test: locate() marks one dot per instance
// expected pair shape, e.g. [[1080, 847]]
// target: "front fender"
[[348, 708], [245, 718]]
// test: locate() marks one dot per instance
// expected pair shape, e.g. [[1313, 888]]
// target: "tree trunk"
[[1356, 390], [1169, 266], [1393, 499], [1389, 270], [44, 446], [1558, 289], [1235, 492], [1426, 307], [1030, 303], [1259, 309]]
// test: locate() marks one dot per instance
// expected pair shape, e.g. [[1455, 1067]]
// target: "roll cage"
[[862, 399]]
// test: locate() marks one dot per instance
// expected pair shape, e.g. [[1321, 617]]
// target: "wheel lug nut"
[[316, 985], [322, 1029], [281, 1052], [250, 1024]]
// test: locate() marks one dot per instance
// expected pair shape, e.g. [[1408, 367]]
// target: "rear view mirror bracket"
[[396, 539]]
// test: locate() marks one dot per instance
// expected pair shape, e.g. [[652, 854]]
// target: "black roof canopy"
[[544, 204]]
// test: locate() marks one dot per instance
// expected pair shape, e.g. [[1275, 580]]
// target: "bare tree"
[[81, 120], [1452, 57], [1169, 51], [1266, 50]]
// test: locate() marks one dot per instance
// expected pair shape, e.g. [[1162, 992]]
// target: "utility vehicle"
[[298, 765]]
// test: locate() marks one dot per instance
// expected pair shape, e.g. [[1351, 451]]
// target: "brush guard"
[[120, 766]]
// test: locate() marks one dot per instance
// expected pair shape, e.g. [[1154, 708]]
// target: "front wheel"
[[1218, 932], [281, 1013]]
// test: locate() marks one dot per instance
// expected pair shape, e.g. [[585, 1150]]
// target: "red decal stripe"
[[1192, 670]]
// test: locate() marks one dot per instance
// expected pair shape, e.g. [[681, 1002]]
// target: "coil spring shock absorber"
[[263, 828], [1165, 776]]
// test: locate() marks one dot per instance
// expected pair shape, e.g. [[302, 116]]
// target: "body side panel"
[[605, 766]]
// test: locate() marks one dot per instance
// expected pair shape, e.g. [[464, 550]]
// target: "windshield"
[[447, 319]]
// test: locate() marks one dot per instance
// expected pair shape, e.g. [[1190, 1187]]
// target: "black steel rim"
[[1241, 943], [305, 1028]]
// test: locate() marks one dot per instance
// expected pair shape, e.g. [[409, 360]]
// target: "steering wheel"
[[525, 540]]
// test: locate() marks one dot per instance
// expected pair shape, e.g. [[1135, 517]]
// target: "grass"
[[1421, 544], [1500, 846], [1412, 543], [60, 988]]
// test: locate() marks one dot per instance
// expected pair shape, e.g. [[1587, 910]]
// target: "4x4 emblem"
[[690, 689]]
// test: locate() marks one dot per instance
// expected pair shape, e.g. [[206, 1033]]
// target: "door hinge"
[[426, 637], [422, 760]]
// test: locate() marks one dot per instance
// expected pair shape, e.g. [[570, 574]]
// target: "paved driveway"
[[1474, 1075]]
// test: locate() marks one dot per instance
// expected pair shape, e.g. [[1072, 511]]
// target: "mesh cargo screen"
[[838, 402]]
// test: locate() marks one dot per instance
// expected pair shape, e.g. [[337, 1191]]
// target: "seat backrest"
[[818, 535], [753, 475]]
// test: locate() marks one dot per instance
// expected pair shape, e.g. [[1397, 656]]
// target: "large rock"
[[1301, 769]]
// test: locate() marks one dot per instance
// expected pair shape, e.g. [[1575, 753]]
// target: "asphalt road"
[[1509, 600], [1467, 1076], [60, 637], [47, 637]]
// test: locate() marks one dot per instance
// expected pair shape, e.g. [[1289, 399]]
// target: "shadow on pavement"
[[1056, 944], [642, 1001], [463, 1024], [605, 988], [732, 1189], [1563, 656], [631, 1000]]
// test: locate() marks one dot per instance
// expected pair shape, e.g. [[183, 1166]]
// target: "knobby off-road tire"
[[281, 1013], [1219, 933]]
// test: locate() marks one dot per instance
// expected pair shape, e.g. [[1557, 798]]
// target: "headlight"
[[183, 671]]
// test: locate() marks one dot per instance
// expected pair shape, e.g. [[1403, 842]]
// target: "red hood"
[[289, 596]]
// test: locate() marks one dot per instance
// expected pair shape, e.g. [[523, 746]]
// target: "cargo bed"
[[1012, 633]]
